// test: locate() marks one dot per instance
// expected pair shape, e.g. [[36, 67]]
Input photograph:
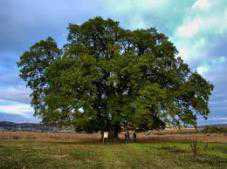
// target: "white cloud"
[[157, 3], [203, 69], [137, 5], [17, 93], [191, 51], [135, 14], [189, 29], [202, 5], [15, 108], [202, 25], [194, 37], [212, 66], [204, 22], [139, 23]]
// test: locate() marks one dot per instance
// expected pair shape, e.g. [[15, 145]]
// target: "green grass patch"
[[83, 154], [40, 155]]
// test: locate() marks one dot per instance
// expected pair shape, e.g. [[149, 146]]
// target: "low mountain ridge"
[[16, 118]]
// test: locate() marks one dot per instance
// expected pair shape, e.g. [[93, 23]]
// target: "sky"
[[198, 28]]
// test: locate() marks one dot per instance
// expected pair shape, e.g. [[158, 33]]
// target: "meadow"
[[29, 150]]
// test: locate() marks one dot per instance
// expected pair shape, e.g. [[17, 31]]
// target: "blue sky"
[[198, 28]]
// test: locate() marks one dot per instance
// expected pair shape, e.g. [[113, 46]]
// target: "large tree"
[[107, 77]]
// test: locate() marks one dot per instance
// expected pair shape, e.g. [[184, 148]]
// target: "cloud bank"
[[197, 27]]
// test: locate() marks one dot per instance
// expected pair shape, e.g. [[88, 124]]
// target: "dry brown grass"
[[156, 136], [212, 138], [48, 137]]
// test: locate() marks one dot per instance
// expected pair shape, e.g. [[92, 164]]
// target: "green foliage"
[[108, 77], [32, 66]]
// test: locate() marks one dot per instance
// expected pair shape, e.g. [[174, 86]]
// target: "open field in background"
[[165, 135], [160, 150]]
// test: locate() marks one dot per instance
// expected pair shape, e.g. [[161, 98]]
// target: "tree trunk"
[[102, 135], [116, 130]]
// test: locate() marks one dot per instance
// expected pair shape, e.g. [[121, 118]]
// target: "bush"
[[214, 129]]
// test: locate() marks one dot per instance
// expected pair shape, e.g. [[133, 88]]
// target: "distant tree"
[[107, 78]]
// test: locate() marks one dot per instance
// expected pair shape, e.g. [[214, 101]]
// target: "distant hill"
[[17, 118], [11, 126], [214, 125]]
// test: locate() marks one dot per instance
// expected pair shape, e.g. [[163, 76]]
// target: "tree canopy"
[[107, 77]]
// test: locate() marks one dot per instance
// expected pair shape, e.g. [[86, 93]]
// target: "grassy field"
[[27, 153]]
